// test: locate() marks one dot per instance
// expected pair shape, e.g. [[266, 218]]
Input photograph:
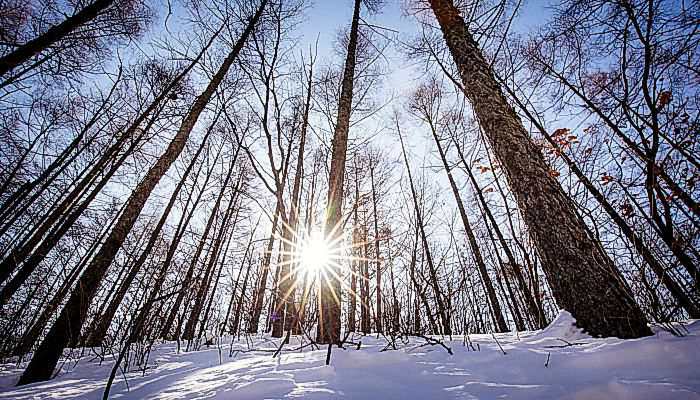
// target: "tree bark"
[[99, 330], [674, 288], [259, 297], [582, 277], [379, 325], [329, 302], [52, 36]]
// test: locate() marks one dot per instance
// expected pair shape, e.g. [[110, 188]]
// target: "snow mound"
[[562, 328], [558, 362]]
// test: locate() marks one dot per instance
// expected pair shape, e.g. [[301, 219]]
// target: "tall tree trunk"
[[187, 280], [533, 308], [364, 282], [414, 282], [52, 36], [582, 277], [73, 314], [395, 315], [203, 289], [674, 288], [34, 331], [259, 296], [286, 308], [235, 285], [239, 306], [99, 330], [500, 321], [377, 258], [329, 303], [182, 225], [442, 311]]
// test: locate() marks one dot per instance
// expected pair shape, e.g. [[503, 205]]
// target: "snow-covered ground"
[[558, 362]]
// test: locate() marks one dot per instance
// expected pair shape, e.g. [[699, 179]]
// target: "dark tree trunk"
[[259, 297], [379, 325], [235, 285], [674, 288], [203, 289], [187, 280], [99, 330], [286, 307], [533, 308], [365, 325], [52, 36]]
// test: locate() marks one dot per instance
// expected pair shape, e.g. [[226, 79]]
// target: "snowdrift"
[[558, 362]]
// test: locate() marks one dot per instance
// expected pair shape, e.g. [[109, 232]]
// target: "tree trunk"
[[73, 314], [99, 330], [329, 303], [187, 280], [213, 252], [533, 308], [364, 283], [500, 321], [235, 285], [582, 277], [442, 311], [379, 325], [674, 288], [259, 297], [52, 36]]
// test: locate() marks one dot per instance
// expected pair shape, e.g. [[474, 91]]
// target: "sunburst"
[[314, 260]]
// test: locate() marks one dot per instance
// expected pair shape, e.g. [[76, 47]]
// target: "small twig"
[[546, 364], [498, 343], [286, 340]]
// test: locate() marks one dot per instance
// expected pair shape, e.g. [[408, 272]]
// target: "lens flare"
[[315, 254]]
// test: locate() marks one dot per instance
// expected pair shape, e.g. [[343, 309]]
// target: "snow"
[[558, 362]]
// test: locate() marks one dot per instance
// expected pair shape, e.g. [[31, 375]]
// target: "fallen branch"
[[567, 344], [433, 342]]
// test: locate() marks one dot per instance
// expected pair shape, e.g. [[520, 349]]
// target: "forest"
[[343, 190]]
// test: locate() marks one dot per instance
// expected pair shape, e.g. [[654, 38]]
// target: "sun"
[[315, 254]]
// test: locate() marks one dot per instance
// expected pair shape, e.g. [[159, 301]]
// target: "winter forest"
[[248, 199]]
